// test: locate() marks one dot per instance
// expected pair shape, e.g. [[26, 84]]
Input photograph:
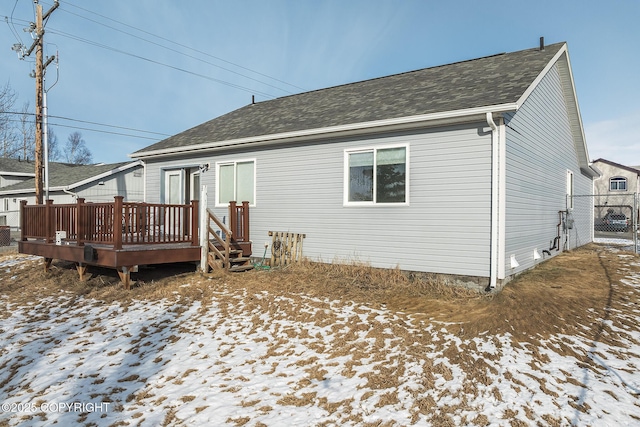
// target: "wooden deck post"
[[81, 222], [23, 224], [117, 222], [49, 221], [195, 241], [233, 219], [245, 221]]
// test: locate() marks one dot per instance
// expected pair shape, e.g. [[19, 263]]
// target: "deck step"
[[239, 260], [240, 268]]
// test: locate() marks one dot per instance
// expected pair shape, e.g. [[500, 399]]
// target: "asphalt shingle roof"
[[16, 166], [492, 80], [64, 175]]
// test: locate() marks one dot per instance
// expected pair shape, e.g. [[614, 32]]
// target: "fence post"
[[49, 211], [81, 221], [634, 224], [23, 224], [117, 222], [194, 223]]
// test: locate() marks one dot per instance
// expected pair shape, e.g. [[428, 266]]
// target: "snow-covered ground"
[[243, 360]]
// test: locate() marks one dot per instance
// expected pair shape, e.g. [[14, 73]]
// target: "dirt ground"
[[574, 287]]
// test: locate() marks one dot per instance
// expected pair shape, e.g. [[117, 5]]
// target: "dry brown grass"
[[577, 288], [556, 296]]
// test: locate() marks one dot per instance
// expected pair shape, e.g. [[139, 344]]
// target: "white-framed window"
[[569, 189], [236, 181], [618, 184], [376, 176]]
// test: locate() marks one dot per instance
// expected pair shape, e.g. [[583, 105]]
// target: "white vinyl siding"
[[540, 159], [446, 229]]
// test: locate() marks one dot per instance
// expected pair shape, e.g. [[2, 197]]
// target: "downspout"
[[75, 195], [495, 138]]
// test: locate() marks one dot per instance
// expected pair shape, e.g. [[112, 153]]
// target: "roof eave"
[[104, 174], [409, 122]]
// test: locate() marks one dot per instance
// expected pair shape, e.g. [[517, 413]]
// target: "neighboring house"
[[13, 171], [616, 189], [67, 182], [463, 169]]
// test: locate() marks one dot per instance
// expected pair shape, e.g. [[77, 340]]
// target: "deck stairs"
[[237, 261], [228, 247]]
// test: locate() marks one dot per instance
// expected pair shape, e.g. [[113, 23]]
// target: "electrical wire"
[[180, 53], [153, 61], [173, 42], [86, 122]]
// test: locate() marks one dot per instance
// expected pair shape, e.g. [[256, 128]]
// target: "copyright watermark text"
[[56, 407]]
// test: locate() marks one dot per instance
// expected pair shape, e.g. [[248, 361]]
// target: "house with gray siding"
[[464, 170], [68, 182]]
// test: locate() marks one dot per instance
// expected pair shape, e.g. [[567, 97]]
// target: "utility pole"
[[39, 98], [41, 65]]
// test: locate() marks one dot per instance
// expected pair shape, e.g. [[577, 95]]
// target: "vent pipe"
[[541, 43]]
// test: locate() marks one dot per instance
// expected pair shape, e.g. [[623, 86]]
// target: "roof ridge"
[[404, 73]]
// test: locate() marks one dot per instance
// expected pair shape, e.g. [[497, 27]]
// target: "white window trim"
[[619, 179], [570, 190], [173, 172], [345, 181], [235, 162]]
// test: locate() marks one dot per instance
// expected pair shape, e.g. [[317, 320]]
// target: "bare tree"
[[76, 151], [27, 130], [8, 137], [52, 145]]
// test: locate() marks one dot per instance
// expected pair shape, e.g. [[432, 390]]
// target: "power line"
[[106, 47], [153, 61], [87, 122], [96, 130], [181, 53], [175, 43]]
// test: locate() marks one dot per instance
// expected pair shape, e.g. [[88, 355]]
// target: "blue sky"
[[217, 54]]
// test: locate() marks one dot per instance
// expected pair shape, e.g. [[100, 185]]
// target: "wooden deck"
[[120, 234]]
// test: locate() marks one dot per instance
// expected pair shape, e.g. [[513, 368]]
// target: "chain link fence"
[[615, 217]]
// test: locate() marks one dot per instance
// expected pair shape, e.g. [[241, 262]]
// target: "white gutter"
[[75, 195], [308, 134], [495, 174]]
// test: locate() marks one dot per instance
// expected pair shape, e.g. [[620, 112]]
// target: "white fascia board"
[[541, 76], [28, 175], [350, 129], [104, 175]]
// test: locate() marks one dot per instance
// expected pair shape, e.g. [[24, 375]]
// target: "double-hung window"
[[236, 182], [618, 184], [376, 176]]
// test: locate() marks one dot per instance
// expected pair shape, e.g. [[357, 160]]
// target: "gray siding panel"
[[128, 183], [540, 149], [445, 228]]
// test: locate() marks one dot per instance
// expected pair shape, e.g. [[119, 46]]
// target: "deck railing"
[[117, 223]]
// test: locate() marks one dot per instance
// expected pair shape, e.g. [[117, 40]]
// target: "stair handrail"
[[225, 243]]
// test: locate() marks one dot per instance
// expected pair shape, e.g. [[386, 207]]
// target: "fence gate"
[[615, 217]]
